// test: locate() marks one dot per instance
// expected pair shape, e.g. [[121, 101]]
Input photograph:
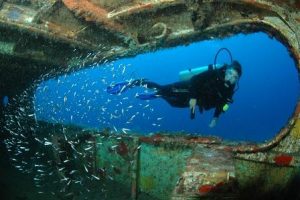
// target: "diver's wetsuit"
[[208, 88]]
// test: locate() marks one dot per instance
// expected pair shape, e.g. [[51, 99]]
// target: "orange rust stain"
[[147, 6], [85, 5], [220, 184], [139, 7], [257, 4], [203, 189], [202, 140], [283, 160], [122, 149], [57, 29], [155, 139], [228, 148], [91, 12]]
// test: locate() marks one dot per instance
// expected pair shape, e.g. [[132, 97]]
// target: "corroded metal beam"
[[91, 12], [122, 29]]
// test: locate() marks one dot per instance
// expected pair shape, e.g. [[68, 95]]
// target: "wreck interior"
[[260, 83], [41, 40]]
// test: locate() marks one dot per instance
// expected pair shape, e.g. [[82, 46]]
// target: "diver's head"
[[233, 72]]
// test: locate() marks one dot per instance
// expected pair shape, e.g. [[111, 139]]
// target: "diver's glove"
[[192, 104], [213, 122]]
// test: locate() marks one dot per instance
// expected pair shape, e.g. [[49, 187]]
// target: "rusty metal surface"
[[166, 168], [57, 36], [126, 28], [131, 27], [208, 170]]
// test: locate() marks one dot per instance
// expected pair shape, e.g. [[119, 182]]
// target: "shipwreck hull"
[[40, 40], [170, 166]]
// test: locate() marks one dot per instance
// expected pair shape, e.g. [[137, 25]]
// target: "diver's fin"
[[147, 96], [118, 88]]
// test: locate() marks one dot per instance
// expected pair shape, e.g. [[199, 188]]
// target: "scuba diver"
[[212, 88]]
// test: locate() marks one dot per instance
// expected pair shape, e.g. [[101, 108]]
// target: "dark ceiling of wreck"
[[58, 36]]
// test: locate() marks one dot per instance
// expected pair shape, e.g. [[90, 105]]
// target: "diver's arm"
[[217, 113], [219, 109], [192, 104], [222, 107], [195, 82], [213, 122]]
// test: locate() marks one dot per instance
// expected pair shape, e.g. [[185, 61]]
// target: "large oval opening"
[[264, 101]]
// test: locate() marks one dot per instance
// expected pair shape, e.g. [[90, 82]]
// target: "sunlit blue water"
[[266, 98]]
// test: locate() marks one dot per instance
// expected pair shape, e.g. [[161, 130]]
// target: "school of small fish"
[[68, 102]]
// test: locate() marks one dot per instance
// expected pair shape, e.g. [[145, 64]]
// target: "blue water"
[[266, 98], [5, 101]]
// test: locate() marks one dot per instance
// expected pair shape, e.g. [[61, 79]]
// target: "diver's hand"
[[192, 104], [213, 122]]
